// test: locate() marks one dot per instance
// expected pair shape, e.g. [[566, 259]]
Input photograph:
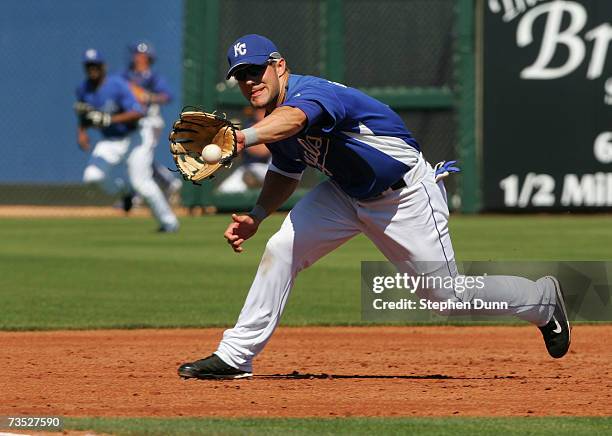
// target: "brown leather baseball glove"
[[193, 131]]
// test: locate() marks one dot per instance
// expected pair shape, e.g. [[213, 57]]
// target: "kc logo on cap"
[[239, 49]]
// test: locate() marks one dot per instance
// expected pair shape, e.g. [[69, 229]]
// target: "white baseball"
[[211, 153]]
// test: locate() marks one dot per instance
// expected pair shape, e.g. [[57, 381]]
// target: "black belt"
[[398, 185], [394, 187]]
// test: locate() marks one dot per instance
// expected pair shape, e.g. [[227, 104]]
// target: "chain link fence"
[[399, 43]]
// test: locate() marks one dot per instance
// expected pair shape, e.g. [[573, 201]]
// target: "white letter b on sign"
[[552, 37]]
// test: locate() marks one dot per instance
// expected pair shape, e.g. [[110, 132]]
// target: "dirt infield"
[[304, 372]]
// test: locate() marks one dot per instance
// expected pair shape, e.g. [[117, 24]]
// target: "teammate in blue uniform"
[[152, 91], [379, 185], [114, 110]]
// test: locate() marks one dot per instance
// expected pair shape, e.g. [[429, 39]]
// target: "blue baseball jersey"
[[357, 141], [112, 96], [149, 80]]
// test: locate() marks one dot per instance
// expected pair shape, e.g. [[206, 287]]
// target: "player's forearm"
[[282, 123], [275, 191], [82, 138], [126, 117]]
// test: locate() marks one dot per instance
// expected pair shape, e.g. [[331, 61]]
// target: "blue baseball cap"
[[92, 56], [250, 50], [143, 47]]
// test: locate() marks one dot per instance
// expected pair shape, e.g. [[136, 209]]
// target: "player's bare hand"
[[241, 229], [83, 140], [240, 141]]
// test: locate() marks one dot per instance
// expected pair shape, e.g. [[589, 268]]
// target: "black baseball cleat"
[[166, 228], [211, 367], [127, 203], [558, 331]]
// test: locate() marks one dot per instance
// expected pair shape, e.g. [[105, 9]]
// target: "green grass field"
[[102, 273], [353, 426]]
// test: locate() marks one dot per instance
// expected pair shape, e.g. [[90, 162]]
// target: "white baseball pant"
[[408, 226], [109, 153]]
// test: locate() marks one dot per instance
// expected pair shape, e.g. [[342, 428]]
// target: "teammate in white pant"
[[116, 113], [379, 184], [152, 91]]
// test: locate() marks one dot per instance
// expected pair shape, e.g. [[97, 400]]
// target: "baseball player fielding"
[[378, 183]]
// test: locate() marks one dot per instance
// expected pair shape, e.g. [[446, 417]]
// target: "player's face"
[[94, 72], [260, 83], [141, 61]]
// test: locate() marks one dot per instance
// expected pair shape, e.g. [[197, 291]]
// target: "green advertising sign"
[[547, 105]]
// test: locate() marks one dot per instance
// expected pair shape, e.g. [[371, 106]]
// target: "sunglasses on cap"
[[254, 70], [250, 71]]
